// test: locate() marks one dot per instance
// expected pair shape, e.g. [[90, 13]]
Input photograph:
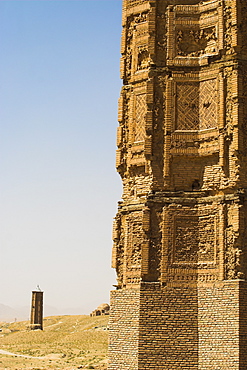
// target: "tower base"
[[186, 327]]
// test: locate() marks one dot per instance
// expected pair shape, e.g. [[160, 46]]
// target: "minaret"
[[36, 320], [180, 234]]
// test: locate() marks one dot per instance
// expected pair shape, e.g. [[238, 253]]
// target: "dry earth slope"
[[67, 342]]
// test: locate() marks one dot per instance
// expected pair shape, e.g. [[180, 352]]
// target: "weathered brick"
[[180, 233]]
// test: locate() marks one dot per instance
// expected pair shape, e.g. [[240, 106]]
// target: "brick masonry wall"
[[124, 330], [168, 328], [243, 325], [218, 326], [184, 327], [180, 249]]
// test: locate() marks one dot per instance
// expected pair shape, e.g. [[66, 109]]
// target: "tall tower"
[[36, 320], [180, 235]]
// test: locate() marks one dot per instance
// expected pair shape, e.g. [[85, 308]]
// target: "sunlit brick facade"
[[180, 235]]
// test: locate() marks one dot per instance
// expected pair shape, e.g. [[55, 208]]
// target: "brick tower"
[[180, 235], [36, 320]]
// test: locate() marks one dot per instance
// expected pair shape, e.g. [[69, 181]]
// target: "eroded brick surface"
[[180, 248]]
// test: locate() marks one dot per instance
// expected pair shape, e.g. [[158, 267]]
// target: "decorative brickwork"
[[140, 109], [188, 106], [180, 249], [208, 105], [196, 105]]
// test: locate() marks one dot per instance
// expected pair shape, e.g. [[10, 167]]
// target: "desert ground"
[[67, 342]]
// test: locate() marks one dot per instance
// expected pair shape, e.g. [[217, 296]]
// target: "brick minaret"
[[180, 235], [36, 320]]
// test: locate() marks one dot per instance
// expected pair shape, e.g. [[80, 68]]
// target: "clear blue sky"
[[59, 87]]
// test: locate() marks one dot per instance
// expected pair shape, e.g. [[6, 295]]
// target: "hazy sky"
[[59, 87]]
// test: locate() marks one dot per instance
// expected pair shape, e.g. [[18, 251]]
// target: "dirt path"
[[2, 352]]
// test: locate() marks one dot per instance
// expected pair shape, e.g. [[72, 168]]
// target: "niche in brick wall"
[[196, 105], [197, 31]]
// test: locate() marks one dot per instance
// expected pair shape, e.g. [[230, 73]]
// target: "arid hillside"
[[67, 342]]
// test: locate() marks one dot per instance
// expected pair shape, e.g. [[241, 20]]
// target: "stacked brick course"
[[180, 248]]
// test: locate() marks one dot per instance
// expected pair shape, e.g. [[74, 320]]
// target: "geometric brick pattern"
[[208, 104], [141, 109], [196, 105], [187, 106]]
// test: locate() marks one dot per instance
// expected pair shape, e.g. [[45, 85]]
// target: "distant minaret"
[[36, 321]]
